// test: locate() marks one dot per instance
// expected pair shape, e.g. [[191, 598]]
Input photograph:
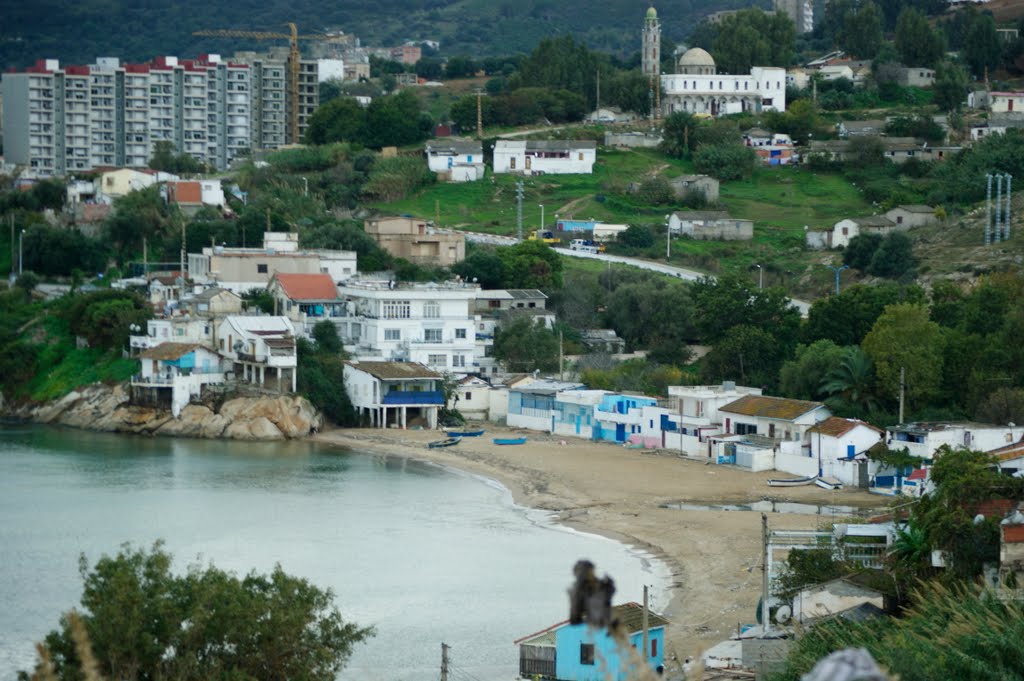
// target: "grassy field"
[[781, 201]]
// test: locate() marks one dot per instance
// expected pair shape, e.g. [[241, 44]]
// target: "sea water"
[[424, 554]]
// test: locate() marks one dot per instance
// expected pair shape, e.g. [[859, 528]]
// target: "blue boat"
[[509, 440], [464, 433]]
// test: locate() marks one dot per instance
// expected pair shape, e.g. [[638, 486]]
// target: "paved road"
[[669, 270]]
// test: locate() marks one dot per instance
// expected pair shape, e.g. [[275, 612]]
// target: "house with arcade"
[[394, 394]]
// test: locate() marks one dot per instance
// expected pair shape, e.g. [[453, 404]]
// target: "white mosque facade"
[[698, 88]]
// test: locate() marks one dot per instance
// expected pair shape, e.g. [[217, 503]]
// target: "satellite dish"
[[783, 614]]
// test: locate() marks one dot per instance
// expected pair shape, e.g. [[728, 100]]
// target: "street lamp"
[[668, 239], [760, 277], [21, 252], [305, 187], [541, 216], [837, 270]]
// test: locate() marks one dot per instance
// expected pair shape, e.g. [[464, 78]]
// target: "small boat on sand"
[[444, 443], [828, 482], [509, 440], [791, 482], [465, 433]]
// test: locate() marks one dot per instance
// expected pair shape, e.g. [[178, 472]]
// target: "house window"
[[581, 156], [261, 267], [899, 219], [586, 653], [458, 360], [437, 360], [493, 303], [431, 309], [396, 309], [746, 429], [512, 163], [469, 396], [432, 335], [392, 334], [460, 333]]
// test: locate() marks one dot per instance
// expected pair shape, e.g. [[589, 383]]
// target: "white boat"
[[828, 483], [791, 482]]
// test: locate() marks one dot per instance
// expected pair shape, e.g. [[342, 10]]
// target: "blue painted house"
[[619, 416], [578, 652], [532, 405]]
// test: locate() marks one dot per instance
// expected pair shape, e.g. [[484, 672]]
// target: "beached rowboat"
[[444, 443], [465, 433], [828, 483], [509, 440], [791, 482]]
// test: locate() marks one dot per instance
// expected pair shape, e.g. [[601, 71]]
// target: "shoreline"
[[713, 556]]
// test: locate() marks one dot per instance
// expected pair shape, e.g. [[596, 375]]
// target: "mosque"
[[697, 87]]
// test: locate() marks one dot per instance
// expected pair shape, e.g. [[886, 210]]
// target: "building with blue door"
[[171, 374], [574, 412], [620, 416], [579, 652]]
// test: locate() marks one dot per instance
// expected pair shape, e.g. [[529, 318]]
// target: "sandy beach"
[[714, 555]]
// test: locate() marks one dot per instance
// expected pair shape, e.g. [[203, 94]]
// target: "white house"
[[778, 418], [844, 230], [173, 330], [213, 302], [539, 157], [694, 415], [912, 215], [394, 394], [532, 405], [457, 160], [697, 87], [431, 324], [1006, 102], [472, 398], [924, 439], [263, 347], [175, 373], [839, 448]]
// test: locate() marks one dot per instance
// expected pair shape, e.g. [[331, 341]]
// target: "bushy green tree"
[[531, 264], [905, 338], [637, 237], [320, 378], [482, 265], [950, 86], [142, 621], [847, 317], [916, 41], [801, 378], [395, 178], [894, 257], [676, 133], [338, 120], [103, 317], [725, 161], [751, 37], [58, 251], [748, 355], [861, 249], [523, 344], [861, 32], [983, 46]]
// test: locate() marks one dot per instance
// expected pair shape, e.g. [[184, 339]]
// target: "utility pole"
[[903, 389], [444, 661], [560, 358], [10, 218], [765, 620], [598, 105], [1006, 213], [181, 289], [145, 260], [479, 115], [647, 648], [437, 212], [519, 209], [988, 208]]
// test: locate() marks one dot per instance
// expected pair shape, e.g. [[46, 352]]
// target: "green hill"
[[139, 29]]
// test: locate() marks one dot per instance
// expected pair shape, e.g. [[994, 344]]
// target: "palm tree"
[[851, 384]]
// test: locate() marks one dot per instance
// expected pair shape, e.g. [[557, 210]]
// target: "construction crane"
[[293, 62]]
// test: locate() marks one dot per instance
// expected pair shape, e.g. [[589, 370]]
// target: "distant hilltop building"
[[58, 120], [800, 11], [698, 88]]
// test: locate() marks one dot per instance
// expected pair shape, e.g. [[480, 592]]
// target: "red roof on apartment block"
[[307, 286], [76, 70], [136, 68]]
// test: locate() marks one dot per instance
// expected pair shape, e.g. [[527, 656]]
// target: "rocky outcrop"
[[106, 408]]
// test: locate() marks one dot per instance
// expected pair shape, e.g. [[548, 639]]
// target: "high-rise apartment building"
[[800, 11], [60, 120]]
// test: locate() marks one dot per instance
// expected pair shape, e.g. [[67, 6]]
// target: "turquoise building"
[[579, 652]]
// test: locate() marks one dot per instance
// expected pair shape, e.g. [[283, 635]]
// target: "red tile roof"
[[307, 286]]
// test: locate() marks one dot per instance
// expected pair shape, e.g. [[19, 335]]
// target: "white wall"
[[802, 466], [756, 459], [539, 423]]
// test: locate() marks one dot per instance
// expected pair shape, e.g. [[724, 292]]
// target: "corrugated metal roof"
[[770, 407]]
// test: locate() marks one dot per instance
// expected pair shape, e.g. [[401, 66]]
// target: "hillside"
[[134, 30]]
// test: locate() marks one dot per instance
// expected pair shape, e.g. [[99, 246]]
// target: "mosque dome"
[[652, 13], [696, 61]]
